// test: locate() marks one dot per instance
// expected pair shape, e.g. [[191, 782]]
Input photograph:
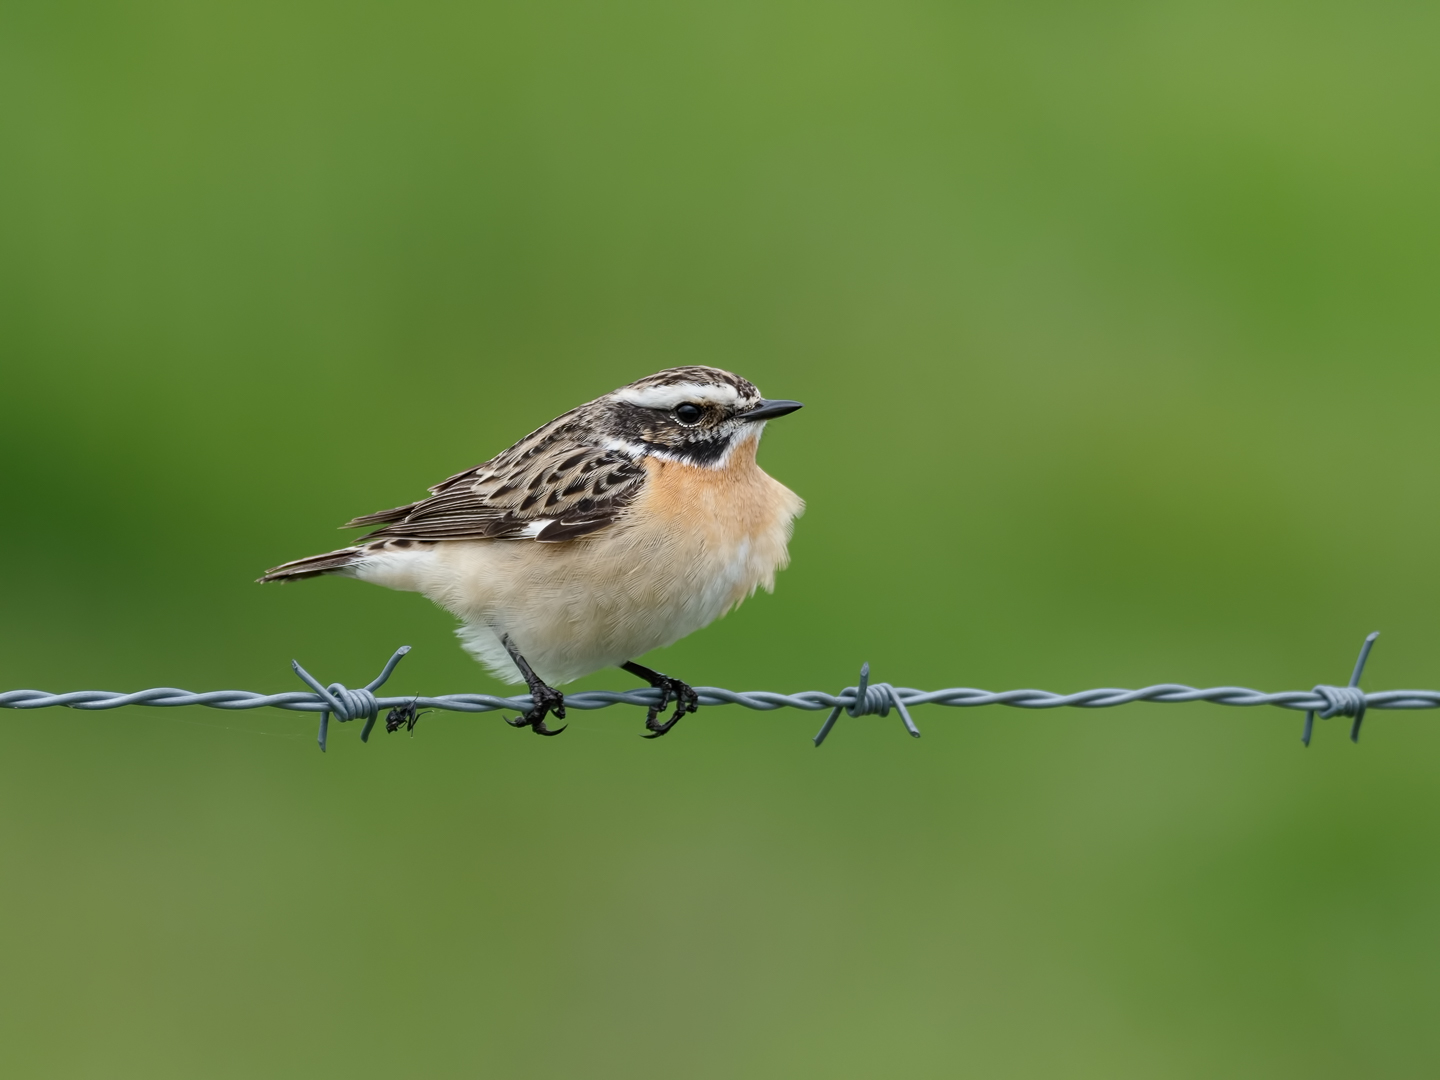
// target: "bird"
[[619, 527]]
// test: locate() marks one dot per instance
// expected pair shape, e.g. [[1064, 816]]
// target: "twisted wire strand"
[[866, 699], [762, 700]]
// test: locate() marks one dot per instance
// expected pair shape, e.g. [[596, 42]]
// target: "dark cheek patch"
[[702, 453]]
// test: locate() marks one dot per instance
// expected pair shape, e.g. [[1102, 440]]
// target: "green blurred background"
[[1117, 325]]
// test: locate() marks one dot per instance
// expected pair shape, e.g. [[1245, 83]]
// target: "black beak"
[[769, 408]]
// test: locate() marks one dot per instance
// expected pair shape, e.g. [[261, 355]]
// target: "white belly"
[[573, 609]]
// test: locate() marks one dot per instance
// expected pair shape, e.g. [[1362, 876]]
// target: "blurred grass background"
[[1117, 327]]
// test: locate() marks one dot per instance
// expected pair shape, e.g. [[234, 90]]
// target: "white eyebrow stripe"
[[667, 397]]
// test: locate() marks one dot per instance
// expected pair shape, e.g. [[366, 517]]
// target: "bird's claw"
[[686, 701], [547, 701]]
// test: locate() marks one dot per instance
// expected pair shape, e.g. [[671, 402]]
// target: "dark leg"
[[684, 696], [546, 698]]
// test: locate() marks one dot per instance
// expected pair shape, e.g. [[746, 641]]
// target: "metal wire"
[[865, 699]]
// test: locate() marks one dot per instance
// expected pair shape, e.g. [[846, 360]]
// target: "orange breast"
[[736, 502]]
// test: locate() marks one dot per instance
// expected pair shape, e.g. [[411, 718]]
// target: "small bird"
[[619, 527]]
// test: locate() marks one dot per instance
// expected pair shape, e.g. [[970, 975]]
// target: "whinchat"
[[619, 527]]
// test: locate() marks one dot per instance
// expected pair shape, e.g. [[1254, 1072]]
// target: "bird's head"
[[695, 415]]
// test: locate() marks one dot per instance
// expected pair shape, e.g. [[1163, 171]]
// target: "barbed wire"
[[864, 699]]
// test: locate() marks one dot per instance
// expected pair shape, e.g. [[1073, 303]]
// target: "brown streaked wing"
[[578, 490]]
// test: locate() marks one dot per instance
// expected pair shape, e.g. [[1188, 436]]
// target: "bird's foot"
[[682, 693], [686, 701], [547, 700]]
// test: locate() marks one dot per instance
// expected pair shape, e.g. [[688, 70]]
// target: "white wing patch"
[[629, 449]]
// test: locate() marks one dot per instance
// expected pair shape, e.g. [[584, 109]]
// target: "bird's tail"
[[332, 562]]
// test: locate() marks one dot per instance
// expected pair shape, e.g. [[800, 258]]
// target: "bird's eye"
[[689, 414]]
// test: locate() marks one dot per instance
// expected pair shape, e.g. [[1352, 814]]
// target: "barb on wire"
[[1346, 700], [350, 705], [864, 699], [868, 700]]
